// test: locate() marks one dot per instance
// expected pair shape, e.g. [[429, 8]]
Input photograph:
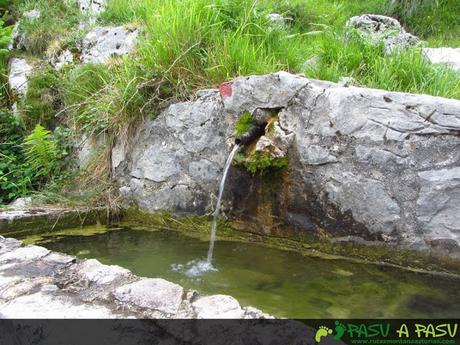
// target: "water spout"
[[219, 199], [255, 132]]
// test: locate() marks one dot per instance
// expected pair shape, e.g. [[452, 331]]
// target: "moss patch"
[[244, 123], [263, 164]]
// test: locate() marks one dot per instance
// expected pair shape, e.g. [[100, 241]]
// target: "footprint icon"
[[323, 331], [339, 330]]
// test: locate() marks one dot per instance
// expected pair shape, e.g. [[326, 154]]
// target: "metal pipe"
[[255, 132]]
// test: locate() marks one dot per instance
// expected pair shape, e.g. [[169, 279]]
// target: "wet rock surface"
[[38, 283], [362, 162]]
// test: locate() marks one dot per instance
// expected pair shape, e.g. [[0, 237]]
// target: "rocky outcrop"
[[380, 165], [38, 283], [381, 29], [278, 20], [103, 43], [19, 39], [20, 71], [61, 59], [92, 7], [99, 46], [444, 56]]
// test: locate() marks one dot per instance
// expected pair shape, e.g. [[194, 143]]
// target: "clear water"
[[217, 211], [283, 283]]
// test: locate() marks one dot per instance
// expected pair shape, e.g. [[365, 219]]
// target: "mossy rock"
[[263, 163]]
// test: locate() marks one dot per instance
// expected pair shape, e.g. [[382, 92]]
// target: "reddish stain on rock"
[[226, 89]]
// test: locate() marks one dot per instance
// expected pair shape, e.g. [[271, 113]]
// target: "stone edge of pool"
[[29, 219], [38, 283]]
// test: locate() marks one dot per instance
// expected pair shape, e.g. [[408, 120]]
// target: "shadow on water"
[[283, 283]]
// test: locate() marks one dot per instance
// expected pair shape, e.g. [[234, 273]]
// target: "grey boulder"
[[377, 28], [370, 163]]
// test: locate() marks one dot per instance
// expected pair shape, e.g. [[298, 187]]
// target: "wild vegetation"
[[184, 46]]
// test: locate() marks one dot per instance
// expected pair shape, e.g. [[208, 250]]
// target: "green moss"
[[38, 224], [42, 100], [244, 123], [263, 164]]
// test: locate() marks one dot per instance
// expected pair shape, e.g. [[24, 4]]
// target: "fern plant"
[[41, 151]]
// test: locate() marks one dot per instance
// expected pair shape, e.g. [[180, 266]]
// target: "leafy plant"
[[5, 38], [41, 152], [15, 175]]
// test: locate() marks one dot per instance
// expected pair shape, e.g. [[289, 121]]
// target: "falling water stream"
[[198, 267], [219, 199]]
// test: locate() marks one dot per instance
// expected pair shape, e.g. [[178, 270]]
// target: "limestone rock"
[[21, 203], [276, 142], [62, 59], [20, 70], [25, 253], [446, 56], [272, 91], [19, 39], [87, 148], [155, 294], [8, 244], [378, 28], [92, 271], [103, 43], [277, 19], [438, 205], [358, 159], [217, 307], [92, 7], [32, 14], [180, 158]]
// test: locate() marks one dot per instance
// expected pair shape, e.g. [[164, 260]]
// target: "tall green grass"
[[407, 71], [190, 44], [437, 22]]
